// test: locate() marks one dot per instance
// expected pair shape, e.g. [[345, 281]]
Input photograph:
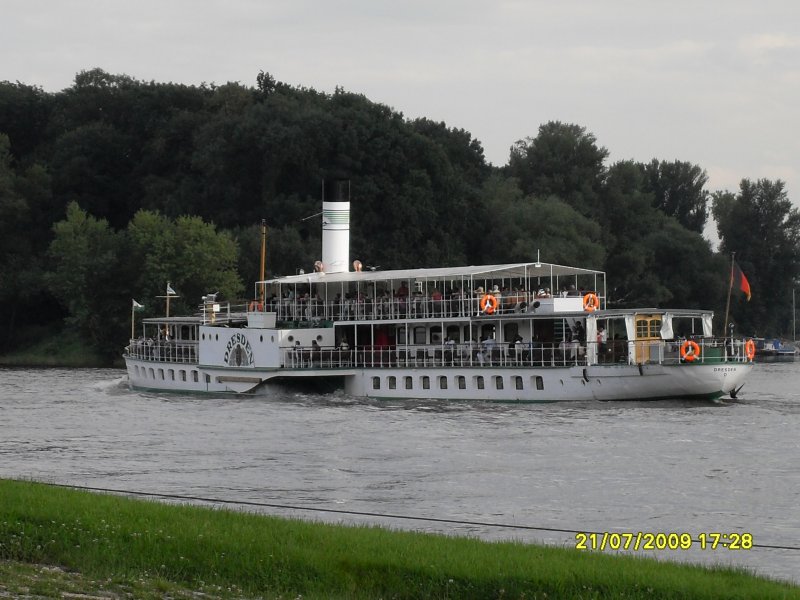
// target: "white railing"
[[413, 307], [466, 354], [162, 350]]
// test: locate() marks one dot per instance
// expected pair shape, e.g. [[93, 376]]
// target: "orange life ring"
[[690, 356], [488, 304], [749, 349], [591, 302]]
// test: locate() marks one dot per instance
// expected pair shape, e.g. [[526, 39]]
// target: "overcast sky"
[[712, 83]]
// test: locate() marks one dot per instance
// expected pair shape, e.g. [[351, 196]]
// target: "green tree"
[[760, 225], [188, 253], [678, 190], [653, 260], [91, 166], [521, 226], [88, 279], [563, 160], [25, 116]]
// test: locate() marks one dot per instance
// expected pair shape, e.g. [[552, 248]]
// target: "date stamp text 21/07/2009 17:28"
[[641, 540]]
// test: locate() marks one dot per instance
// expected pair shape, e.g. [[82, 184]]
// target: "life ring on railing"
[[690, 351], [591, 302], [749, 349], [488, 304]]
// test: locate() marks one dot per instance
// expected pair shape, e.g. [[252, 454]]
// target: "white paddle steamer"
[[526, 332]]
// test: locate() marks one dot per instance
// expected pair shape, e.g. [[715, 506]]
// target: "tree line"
[[114, 186]]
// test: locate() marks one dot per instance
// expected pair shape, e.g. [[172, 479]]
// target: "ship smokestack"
[[336, 226]]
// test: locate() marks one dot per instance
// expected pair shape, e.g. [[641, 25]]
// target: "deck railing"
[[413, 307], [510, 355], [163, 351], [465, 354]]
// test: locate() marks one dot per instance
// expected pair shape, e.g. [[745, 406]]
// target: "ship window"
[[426, 382], [376, 383], [498, 382], [392, 382], [454, 333], [216, 337], [194, 376], [183, 375], [539, 382], [172, 375], [443, 382], [462, 382], [161, 374], [510, 331], [409, 382], [479, 382], [518, 382], [436, 335], [655, 328], [401, 335], [208, 378]]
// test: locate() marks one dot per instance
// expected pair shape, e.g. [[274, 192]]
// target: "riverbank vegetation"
[[55, 539], [113, 187]]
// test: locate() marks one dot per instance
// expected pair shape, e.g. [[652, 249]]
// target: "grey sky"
[[713, 83]]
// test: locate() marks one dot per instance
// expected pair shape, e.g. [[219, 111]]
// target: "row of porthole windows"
[[164, 374], [459, 382]]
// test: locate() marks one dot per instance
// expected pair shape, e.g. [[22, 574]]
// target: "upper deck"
[[447, 292]]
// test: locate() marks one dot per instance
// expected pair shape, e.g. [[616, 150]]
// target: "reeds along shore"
[[160, 548]]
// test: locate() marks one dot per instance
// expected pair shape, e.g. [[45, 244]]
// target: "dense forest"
[[114, 186]]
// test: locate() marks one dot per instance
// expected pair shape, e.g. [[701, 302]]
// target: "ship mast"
[[728, 304], [262, 291]]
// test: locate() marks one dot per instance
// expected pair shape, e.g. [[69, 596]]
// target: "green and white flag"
[[137, 306]]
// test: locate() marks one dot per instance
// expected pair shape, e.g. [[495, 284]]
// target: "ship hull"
[[503, 384]]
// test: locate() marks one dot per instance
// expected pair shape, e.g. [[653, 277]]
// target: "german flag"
[[739, 281]]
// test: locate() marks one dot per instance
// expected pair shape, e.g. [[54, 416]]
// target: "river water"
[[728, 466]]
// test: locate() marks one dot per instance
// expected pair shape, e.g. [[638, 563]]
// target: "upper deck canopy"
[[478, 272]]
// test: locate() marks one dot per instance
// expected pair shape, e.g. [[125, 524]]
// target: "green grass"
[[150, 549]]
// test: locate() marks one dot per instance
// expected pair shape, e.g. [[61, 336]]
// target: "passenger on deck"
[[316, 353], [449, 350], [602, 341], [401, 297], [297, 355], [455, 302], [488, 344], [436, 299], [344, 351]]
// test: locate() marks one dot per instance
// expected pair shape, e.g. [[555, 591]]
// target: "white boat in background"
[[523, 332], [774, 350]]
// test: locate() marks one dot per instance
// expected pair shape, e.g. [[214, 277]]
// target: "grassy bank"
[[155, 549], [61, 350]]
